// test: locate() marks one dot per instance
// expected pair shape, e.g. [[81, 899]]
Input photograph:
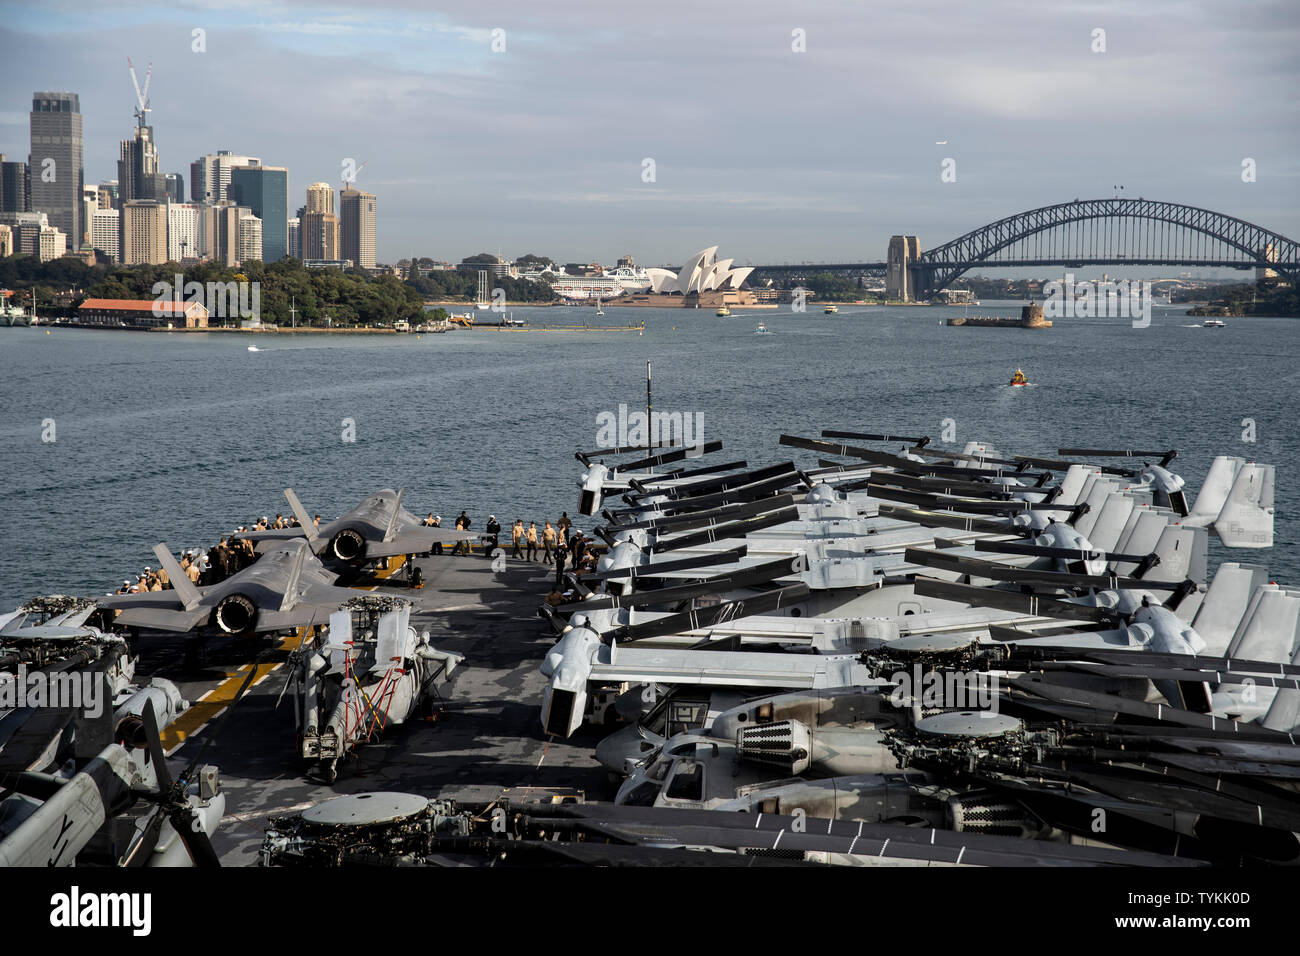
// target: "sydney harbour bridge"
[[1084, 232]]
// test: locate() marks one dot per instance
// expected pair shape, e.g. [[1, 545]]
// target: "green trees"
[[346, 298], [353, 296]]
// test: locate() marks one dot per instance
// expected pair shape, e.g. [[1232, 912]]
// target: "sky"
[[779, 132]]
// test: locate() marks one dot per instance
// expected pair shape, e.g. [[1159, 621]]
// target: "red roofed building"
[[143, 313]]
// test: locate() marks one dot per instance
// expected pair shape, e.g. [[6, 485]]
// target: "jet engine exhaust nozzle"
[[348, 545], [235, 614]]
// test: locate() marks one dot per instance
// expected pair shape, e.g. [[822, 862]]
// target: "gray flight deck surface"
[[488, 738]]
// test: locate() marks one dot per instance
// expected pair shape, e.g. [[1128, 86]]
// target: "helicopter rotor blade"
[[703, 618]]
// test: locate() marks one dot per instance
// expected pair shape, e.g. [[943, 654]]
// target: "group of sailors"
[[525, 542], [192, 564], [230, 555]]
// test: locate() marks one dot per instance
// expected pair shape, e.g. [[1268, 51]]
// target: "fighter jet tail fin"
[[290, 597], [185, 589], [304, 519], [392, 515]]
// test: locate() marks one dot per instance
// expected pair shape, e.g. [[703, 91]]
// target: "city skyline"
[[543, 146]]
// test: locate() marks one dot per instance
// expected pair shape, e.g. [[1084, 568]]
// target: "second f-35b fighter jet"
[[377, 528]]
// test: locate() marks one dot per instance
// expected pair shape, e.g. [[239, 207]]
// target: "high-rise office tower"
[[320, 198], [52, 243], [15, 190], [57, 161], [89, 206], [357, 225], [105, 233], [144, 232], [320, 227], [250, 237], [210, 175], [137, 168], [265, 191], [225, 233], [183, 231]]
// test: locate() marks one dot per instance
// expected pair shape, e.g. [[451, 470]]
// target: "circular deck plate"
[[365, 809], [967, 723]]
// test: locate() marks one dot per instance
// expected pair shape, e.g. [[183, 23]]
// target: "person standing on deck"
[[462, 524], [531, 538], [561, 554], [517, 536], [548, 543]]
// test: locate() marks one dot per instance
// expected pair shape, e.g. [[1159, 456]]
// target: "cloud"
[[830, 150]]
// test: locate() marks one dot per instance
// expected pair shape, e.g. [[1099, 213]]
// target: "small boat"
[[1019, 378], [831, 309], [723, 311], [1214, 324], [762, 330], [512, 321]]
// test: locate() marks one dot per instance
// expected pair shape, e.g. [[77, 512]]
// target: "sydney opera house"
[[705, 281]]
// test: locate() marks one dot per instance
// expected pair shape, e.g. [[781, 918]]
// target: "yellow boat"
[[1019, 378], [724, 311], [831, 309]]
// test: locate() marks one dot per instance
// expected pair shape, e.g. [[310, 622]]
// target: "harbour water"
[[182, 437]]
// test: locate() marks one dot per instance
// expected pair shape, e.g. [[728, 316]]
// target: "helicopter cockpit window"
[[642, 795], [687, 783]]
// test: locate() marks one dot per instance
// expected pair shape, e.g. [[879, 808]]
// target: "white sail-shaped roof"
[[703, 272]]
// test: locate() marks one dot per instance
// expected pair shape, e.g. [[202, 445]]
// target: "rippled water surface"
[[180, 437]]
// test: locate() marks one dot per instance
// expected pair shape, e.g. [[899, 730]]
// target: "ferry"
[[723, 311], [1214, 324], [831, 309], [1019, 378]]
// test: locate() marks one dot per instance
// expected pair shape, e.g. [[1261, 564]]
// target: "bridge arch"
[[1108, 232]]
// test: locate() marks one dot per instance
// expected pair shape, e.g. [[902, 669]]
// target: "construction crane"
[[141, 96]]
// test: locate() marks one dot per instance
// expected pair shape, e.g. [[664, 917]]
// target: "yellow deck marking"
[[210, 705]]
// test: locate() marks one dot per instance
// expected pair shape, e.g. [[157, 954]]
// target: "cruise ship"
[[608, 285]]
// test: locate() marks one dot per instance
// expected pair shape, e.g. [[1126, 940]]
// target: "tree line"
[[319, 296]]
